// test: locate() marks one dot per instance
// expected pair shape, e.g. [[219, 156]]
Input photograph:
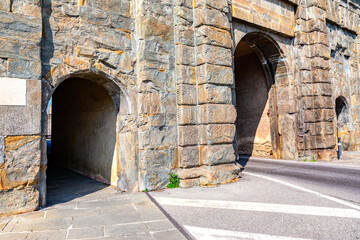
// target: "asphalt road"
[[275, 199]]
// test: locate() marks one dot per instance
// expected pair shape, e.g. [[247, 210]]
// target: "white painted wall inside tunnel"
[[12, 92]]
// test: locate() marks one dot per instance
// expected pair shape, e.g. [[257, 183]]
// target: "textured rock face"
[[169, 67]]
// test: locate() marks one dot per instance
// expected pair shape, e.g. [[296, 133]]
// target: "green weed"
[[174, 181]]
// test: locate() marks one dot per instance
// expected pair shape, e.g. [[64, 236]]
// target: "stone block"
[[20, 27], [24, 120], [149, 103], [95, 16], [217, 133], [121, 22], [183, 16], [214, 74], [317, 115], [18, 201], [22, 161], [215, 94], [108, 38], [219, 174], [211, 17], [212, 36], [154, 179], [118, 6], [214, 55], [157, 137], [188, 135], [184, 35], [188, 173], [189, 157], [152, 78], [189, 183], [155, 30], [168, 103], [155, 159], [27, 7], [187, 115], [185, 75], [221, 5], [217, 113], [5, 5], [186, 95], [217, 154], [184, 55], [18, 68]]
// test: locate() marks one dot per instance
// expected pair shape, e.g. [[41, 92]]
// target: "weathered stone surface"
[[217, 113], [5, 5], [219, 174], [211, 17], [186, 95], [217, 133], [155, 159], [23, 120], [217, 154], [22, 159], [157, 138], [266, 14], [187, 115], [171, 71], [189, 157], [19, 200], [215, 74], [215, 94], [188, 135], [189, 183], [2, 151], [214, 55]]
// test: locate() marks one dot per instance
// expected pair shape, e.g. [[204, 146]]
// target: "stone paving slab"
[[105, 215]]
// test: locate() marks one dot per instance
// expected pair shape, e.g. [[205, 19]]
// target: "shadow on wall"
[[252, 98], [343, 122], [84, 129], [47, 41]]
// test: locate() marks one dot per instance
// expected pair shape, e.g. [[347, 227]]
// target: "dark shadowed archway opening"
[[83, 139], [256, 66], [343, 121]]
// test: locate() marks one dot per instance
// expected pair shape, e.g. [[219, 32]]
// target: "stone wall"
[[168, 66], [20, 112], [342, 27]]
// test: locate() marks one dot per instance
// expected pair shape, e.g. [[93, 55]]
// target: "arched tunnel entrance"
[[83, 139], [257, 66], [343, 122]]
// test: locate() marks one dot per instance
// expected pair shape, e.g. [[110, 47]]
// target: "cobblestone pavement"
[[80, 208]]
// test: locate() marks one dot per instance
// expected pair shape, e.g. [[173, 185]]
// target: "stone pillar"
[[206, 114], [20, 106], [316, 124], [156, 101]]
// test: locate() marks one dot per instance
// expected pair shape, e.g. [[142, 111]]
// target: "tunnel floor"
[[64, 185]]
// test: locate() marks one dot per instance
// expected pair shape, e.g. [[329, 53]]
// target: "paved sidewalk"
[[94, 211]]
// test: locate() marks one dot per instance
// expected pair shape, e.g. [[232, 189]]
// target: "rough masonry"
[[142, 88]]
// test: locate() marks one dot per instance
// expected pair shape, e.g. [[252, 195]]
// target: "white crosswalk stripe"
[[337, 200], [261, 207], [217, 234]]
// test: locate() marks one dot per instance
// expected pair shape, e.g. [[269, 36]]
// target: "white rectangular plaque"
[[12, 91]]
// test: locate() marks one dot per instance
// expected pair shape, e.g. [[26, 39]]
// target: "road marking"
[[217, 234], [261, 207], [337, 200]]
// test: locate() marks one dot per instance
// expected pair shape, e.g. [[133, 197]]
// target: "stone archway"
[[259, 72], [343, 118], [84, 128], [107, 108]]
